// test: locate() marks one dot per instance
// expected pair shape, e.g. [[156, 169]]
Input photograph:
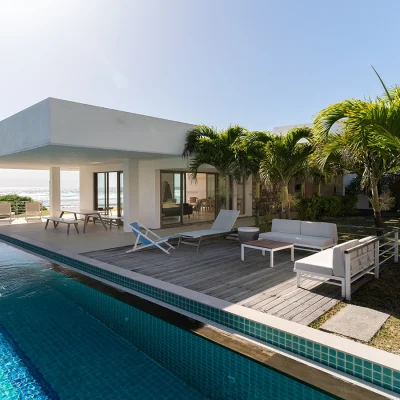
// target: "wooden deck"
[[217, 270]]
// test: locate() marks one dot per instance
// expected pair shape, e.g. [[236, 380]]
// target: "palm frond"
[[383, 85]]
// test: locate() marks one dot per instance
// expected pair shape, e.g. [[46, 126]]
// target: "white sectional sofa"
[[304, 234], [341, 265]]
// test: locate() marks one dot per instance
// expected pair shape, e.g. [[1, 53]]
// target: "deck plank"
[[217, 270]]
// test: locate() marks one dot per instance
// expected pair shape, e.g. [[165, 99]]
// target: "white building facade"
[[138, 157]]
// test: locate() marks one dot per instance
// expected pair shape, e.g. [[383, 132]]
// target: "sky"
[[257, 63]]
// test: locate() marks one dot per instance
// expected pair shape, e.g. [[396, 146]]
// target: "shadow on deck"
[[217, 270]]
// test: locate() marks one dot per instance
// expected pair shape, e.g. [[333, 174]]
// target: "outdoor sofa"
[[305, 235], [342, 264]]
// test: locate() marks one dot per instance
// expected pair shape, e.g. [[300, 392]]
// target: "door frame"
[[107, 189]]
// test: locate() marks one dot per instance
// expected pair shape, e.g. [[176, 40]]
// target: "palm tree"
[[282, 157], [207, 145], [366, 140]]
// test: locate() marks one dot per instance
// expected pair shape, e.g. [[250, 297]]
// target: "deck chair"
[[222, 226], [33, 210], [143, 239], [5, 211]]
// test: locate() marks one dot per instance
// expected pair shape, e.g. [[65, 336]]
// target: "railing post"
[[396, 246], [347, 276], [377, 259]]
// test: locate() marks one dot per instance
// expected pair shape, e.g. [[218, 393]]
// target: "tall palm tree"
[[282, 158], [207, 145], [366, 140]]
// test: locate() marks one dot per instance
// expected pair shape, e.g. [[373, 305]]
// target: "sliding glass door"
[[108, 193], [185, 200], [171, 198]]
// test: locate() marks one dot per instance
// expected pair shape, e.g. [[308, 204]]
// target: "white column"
[[55, 191], [131, 193], [86, 188]]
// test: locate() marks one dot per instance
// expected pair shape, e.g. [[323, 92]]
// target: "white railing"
[[388, 241]]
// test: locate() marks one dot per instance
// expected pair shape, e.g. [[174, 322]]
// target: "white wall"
[[25, 130], [75, 124]]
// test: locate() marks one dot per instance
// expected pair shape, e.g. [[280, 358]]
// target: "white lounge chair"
[[341, 265], [143, 239], [222, 226], [5, 211], [33, 210]]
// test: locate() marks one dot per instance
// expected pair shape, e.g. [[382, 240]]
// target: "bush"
[[15, 198], [320, 208]]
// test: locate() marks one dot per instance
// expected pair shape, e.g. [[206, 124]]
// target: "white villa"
[[139, 155]]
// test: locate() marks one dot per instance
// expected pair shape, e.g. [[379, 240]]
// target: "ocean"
[[69, 196]]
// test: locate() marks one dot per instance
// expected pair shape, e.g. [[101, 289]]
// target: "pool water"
[[60, 339]]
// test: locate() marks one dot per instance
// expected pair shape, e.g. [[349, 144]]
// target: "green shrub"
[[15, 198], [320, 208]]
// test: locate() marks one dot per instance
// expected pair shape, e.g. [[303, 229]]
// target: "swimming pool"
[[60, 339]]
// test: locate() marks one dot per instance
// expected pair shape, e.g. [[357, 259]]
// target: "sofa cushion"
[[298, 239], [278, 236], [338, 256], [322, 229], [318, 263], [286, 226]]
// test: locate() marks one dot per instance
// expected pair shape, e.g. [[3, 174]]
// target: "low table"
[[268, 245]]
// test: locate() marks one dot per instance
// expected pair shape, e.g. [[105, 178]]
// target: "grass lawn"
[[379, 294]]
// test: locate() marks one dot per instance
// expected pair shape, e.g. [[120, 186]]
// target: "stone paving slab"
[[356, 322]]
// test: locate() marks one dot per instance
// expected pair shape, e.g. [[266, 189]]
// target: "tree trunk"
[[285, 200], [319, 189], [227, 193], [234, 194], [376, 205], [303, 189]]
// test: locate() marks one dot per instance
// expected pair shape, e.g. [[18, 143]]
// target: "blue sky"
[[255, 63]]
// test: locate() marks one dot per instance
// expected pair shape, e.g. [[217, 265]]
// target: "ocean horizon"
[[69, 196]]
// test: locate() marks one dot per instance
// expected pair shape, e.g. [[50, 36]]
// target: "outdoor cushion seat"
[[298, 239], [205, 232], [318, 263]]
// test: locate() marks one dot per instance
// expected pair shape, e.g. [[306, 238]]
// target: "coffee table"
[[268, 245]]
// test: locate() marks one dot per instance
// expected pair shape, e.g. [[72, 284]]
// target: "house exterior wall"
[[142, 197], [25, 130], [75, 124]]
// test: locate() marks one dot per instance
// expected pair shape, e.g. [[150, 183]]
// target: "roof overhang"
[[67, 134]]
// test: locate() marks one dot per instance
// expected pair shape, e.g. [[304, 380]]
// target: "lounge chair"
[[143, 240], [222, 226], [5, 211], [33, 210]]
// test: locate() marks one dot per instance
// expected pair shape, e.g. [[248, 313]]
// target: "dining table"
[[87, 214]]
